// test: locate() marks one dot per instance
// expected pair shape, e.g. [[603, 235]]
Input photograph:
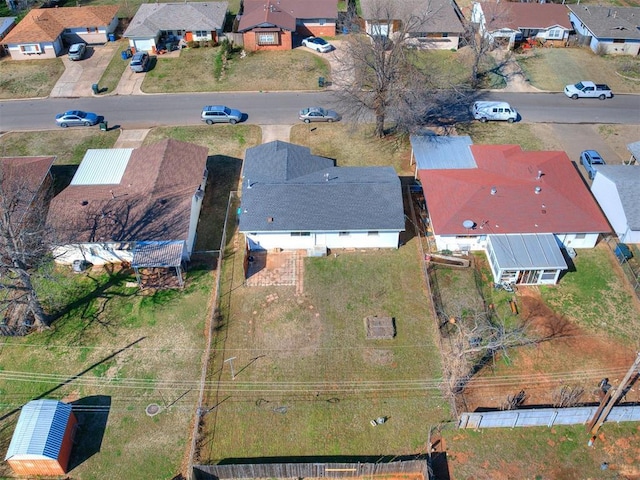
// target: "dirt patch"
[[569, 356], [376, 356]]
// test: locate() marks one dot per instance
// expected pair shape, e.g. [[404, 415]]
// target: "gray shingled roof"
[[627, 181], [442, 152], [317, 197], [438, 15], [634, 148], [152, 18], [609, 22]]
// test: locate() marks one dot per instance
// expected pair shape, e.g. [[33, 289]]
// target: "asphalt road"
[[277, 108]]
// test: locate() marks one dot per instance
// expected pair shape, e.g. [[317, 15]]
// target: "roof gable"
[[47, 24], [626, 180], [152, 18], [284, 13], [512, 191], [309, 193]]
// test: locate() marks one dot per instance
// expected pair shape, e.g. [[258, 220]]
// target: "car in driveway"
[[74, 118], [590, 159], [139, 62], [220, 114], [77, 51], [318, 44], [318, 114]]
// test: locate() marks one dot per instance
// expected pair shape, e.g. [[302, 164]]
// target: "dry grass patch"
[[618, 137], [28, 78], [257, 71], [528, 136]]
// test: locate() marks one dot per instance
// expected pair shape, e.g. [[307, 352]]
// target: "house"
[[617, 190], [121, 199], [43, 32], [436, 24], [154, 24], [43, 438], [607, 29], [6, 24], [511, 205], [282, 24], [294, 200], [547, 23]]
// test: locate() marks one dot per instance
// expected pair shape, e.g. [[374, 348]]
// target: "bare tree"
[[376, 74], [23, 242]]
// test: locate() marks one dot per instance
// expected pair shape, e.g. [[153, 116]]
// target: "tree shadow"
[[92, 413]]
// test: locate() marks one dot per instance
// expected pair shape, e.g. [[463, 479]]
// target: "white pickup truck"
[[588, 90]]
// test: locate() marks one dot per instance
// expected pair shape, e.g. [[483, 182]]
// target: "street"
[[276, 108]]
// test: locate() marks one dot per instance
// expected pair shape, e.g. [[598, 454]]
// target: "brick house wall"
[[249, 39]]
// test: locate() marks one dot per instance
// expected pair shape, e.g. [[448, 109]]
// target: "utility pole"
[[230, 360], [610, 399]]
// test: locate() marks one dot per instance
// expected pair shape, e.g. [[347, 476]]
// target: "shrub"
[[193, 44]]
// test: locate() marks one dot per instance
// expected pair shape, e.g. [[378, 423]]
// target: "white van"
[[485, 111]]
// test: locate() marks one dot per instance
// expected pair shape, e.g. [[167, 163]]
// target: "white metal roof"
[[102, 166]]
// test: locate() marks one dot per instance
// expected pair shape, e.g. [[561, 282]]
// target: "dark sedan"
[[74, 118]]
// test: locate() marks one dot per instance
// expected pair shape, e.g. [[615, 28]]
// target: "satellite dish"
[[468, 224]]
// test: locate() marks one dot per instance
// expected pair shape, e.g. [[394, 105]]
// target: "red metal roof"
[[563, 203]]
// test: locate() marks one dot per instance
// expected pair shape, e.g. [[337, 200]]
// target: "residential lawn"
[[354, 145], [258, 71], [226, 144], [113, 350], [543, 453], [28, 78], [308, 383], [553, 68], [113, 73], [503, 133]]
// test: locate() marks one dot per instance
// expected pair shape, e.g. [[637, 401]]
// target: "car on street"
[[74, 118], [318, 44], [318, 114], [77, 51], [139, 62], [590, 159], [485, 111], [220, 114], [586, 89]]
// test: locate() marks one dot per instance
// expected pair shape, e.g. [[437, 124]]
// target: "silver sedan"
[[318, 114]]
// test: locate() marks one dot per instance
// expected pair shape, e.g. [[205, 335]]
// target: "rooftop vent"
[[539, 175], [269, 219], [538, 190], [494, 190], [84, 203]]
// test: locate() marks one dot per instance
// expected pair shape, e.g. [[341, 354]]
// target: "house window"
[[92, 29], [300, 234], [267, 38], [580, 236], [322, 21], [618, 40], [555, 33], [28, 49], [548, 275], [372, 233], [343, 234], [445, 34]]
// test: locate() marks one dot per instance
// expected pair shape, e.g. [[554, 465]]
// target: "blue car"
[[74, 118], [590, 159]]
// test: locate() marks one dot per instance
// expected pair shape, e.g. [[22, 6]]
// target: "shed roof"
[[40, 430], [47, 24], [152, 18], [562, 205], [308, 193], [609, 21], [284, 13], [158, 254], [626, 179], [530, 251], [438, 152]]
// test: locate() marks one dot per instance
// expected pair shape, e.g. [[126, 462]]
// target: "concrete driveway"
[[79, 76]]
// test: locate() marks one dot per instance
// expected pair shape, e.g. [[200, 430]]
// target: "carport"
[[155, 262], [525, 259]]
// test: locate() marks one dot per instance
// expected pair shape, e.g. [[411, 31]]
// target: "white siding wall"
[[196, 205], [97, 254], [285, 241], [576, 240], [453, 243], [607, 196], [44, 50]]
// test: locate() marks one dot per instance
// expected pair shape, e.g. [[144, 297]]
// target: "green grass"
[[113, 73], [553, 68], [29, 78], [317, 341], [502, 133], [288, 70]]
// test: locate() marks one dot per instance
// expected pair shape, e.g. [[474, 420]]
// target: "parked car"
[[76, 118], [318, 44], [318, 114], [591, 159], [220, 114], [485, 111], [588, 90], [77, 51], [139, 62]]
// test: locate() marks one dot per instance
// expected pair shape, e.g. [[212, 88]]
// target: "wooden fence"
[[418, 468]]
